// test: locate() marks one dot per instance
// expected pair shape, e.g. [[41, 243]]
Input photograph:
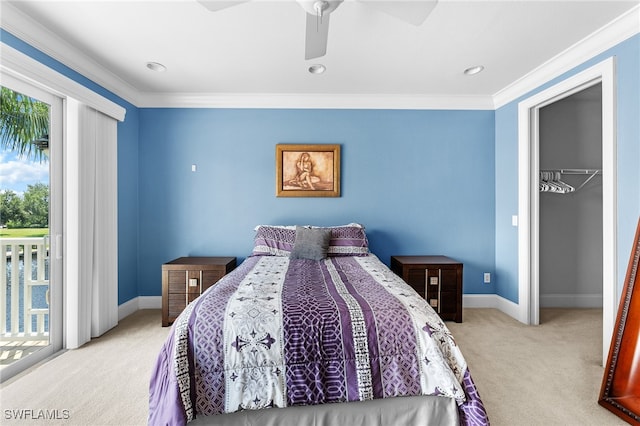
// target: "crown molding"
[[314, 101], [615, 32], [16, 64], [35, 34]]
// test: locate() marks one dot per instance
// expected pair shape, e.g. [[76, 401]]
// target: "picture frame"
[[620, 389], [307, 170]]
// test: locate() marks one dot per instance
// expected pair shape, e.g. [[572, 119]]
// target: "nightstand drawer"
[[436, 278], [416, 278], [178, 301], [449, 279], [194, 281], [186, 278], [448, 304]]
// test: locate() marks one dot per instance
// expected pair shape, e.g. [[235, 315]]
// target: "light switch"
[[193, 282], [193, 167]]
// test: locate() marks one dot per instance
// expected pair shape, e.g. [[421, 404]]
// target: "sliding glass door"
[[30, 226]]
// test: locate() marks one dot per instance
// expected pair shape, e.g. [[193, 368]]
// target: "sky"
[[16, 173]]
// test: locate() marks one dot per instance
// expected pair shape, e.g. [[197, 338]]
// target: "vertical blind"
[[91, 184]]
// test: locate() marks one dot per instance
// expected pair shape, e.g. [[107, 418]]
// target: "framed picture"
[[307, 170]]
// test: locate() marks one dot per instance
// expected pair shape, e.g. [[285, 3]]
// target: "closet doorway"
[[570, 208], [559, 262]]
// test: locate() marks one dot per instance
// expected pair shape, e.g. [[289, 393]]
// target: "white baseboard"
[[469, 301], [546, 301], [137, 303], [491, 301], [479, 301], [150, 302], [127, 308], [571, 300]]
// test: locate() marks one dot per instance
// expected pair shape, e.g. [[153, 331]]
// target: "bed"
[[315, 322]]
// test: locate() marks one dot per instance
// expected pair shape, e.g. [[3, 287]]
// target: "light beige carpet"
[[105, 382], [536, 375], [545, 375]]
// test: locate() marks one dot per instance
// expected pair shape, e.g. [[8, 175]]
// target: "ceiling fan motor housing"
[[319, 7]]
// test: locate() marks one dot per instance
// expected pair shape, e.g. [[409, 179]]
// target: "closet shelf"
[[575, 171], [550, 179]]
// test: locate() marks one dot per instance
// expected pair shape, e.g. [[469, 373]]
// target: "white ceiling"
[[257, 48]]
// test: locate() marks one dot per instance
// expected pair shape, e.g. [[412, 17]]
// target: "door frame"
[[55, 223], [528, 194]]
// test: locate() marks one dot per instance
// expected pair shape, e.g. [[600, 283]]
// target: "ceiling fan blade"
[[412, 11], [216, 5], [317, 35]]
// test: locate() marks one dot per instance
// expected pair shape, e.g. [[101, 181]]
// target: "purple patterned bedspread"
[[278, 332]]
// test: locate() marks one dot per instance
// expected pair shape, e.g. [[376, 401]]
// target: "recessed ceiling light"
[[317, 69], [155, 66], [473, 70]]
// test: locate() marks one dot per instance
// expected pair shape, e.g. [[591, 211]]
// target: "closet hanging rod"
[[591, 172], [575, 171]]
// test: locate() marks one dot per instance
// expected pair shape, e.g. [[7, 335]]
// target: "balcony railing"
[[24, 289]]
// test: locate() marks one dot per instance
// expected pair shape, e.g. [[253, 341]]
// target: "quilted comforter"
[[278, 332]]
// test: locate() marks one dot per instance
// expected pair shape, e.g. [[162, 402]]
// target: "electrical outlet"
[[487, 277]]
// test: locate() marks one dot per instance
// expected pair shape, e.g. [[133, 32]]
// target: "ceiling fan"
[[319, 11]]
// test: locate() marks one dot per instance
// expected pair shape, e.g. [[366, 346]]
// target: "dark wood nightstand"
[[186, 278], [436, 278]]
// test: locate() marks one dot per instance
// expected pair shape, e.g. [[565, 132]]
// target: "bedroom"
[[391, 158]]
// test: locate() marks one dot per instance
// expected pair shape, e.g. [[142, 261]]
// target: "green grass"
[[23, 232]]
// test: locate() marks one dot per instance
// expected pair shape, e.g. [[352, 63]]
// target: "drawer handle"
[[439, 289], [432, 281], [186, 289]]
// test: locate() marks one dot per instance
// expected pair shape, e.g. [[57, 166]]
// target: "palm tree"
[[24, 125]]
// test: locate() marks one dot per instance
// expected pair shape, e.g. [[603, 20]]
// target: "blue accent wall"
[[506, 146], [422, 182], [128, 213], [627, 57]]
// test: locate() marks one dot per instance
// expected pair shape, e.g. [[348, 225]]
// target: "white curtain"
[[91, 255]]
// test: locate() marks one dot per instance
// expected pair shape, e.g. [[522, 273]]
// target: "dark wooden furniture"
[[436, 278], [185, 278], [620, 391]]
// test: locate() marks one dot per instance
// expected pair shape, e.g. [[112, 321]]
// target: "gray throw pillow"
[[311, 243]]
